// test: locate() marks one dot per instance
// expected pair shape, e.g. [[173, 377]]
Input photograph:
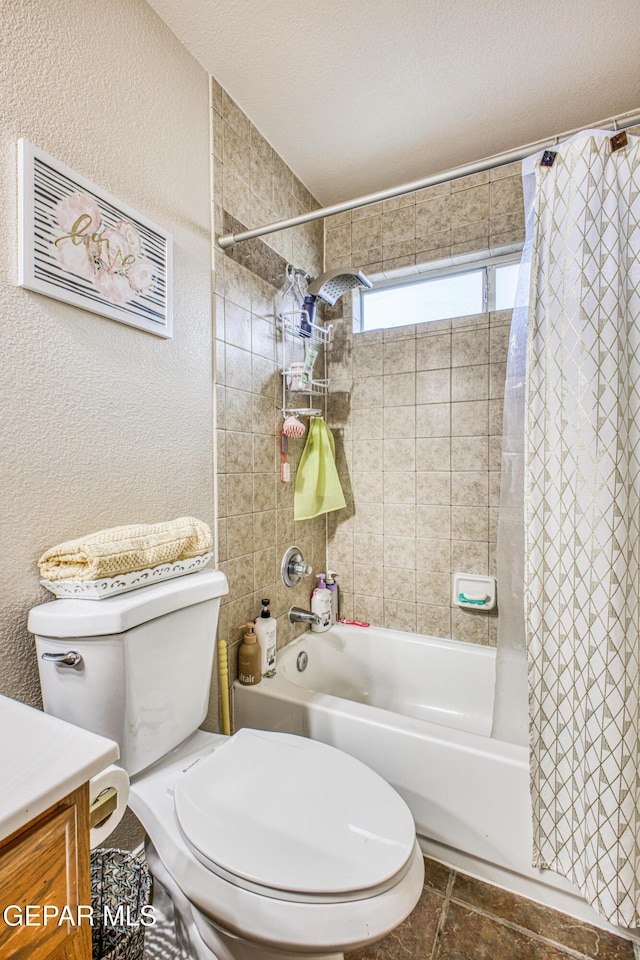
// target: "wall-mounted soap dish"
[[474, 592]]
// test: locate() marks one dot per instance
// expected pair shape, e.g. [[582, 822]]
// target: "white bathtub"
[[419, 712]]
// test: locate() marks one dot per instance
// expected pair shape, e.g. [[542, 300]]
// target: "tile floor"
[[459, 918]]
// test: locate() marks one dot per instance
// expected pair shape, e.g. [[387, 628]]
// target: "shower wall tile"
[[397, 266], [433, 216], [469, 205], [433, 487], [470, 347], [399, 487], [433, 386], [433, 620], [255, 510], [433, 554], [400, 615], [405, 200], [399, 584], [398, 250], [470, 488], [366, 424], [434, 588], [434, 352], [433, 521], [399, 422], [399, 455], [399, 356], [470, 625], [423, 511], [478, 232], [506, 196], [399, 224], [470, 418], [433, 395], [469, 524], [368, 580], [399, 389]]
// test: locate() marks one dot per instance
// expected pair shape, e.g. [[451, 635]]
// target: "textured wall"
[[417, 413], [101, 423]]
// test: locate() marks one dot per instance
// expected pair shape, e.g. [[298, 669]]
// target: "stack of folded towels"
[[119, 550]]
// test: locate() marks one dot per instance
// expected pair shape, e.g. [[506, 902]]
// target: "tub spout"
[[298, 615]]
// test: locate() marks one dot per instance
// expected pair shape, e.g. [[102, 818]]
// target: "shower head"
[[331, 285]]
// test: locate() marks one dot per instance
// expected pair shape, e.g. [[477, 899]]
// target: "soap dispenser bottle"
[[266, 627], [332, 586], [321, 605], [249, 659]]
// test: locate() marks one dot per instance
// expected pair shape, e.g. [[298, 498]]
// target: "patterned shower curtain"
[[582, 524]]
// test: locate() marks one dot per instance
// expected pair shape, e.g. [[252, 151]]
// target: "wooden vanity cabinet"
[[47, 862]]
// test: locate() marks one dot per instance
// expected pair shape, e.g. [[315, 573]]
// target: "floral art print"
[[82, 246]]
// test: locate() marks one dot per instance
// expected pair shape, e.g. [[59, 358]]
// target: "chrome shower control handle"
[[294, 567], [70, 659]]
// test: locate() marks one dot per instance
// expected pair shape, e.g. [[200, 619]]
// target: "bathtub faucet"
[[298, 615]]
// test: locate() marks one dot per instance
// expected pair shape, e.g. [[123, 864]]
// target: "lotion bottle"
[[249, 659], [266, 627], [321, 605], [332, 586]]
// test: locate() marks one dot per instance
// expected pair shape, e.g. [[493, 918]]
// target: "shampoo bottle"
[[266, 627], [332, 586], [321, 605], [249, 659]]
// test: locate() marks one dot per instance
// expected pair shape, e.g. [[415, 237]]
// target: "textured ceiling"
[[363, 95]]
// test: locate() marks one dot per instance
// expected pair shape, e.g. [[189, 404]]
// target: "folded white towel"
[[118, 550]]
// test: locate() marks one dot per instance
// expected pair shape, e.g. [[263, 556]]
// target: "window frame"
[[486, 265]]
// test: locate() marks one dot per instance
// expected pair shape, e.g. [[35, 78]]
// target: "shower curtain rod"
[[620, 122]]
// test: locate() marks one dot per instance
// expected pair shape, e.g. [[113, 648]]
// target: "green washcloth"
[[318, 488]]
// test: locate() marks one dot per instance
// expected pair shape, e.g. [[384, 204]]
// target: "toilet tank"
[[147, 657]]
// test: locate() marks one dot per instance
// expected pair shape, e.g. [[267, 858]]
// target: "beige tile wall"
[[482, 212], [416, 410], [252, 184], [417, 414]]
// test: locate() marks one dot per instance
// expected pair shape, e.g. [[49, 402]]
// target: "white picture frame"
[[79, 244]]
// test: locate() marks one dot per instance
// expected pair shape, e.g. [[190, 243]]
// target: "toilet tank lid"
[[90, 618]]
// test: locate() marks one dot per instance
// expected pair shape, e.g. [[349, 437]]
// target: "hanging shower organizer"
[[291, 329]]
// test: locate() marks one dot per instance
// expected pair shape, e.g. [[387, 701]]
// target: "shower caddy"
[[290, 325]]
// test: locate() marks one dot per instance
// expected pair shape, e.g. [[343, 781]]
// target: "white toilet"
[[268, 845]]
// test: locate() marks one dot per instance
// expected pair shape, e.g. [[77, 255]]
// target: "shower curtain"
[[582, 523], [510, 711]]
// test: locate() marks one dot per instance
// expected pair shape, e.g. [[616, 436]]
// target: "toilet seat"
[[294, 819], [285, 925]]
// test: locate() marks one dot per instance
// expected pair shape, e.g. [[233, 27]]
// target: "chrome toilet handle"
[[70, 659]]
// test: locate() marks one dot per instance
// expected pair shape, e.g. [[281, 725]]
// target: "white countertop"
[[42, 759]]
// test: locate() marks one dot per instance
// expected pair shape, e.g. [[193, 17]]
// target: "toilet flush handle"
[[70, 659]]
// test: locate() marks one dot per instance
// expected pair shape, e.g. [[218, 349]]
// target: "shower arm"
[[620, 122]]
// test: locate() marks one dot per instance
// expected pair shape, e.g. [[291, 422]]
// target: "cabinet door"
[[47, 864]]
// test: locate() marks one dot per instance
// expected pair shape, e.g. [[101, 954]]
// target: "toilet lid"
[[277, 811]]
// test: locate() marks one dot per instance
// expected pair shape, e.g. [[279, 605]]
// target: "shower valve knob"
[[294, 567]]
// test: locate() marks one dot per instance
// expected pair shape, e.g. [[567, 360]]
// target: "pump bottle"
[[321, 605], [266, 627], [332, 586], [249, 659]]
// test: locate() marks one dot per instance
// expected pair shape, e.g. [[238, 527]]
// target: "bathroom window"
[[457, 292]]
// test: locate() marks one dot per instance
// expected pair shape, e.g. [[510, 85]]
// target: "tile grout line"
[[443, 915], [569, 951]]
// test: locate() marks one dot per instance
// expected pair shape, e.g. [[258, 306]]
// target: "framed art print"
[[81, 245]]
